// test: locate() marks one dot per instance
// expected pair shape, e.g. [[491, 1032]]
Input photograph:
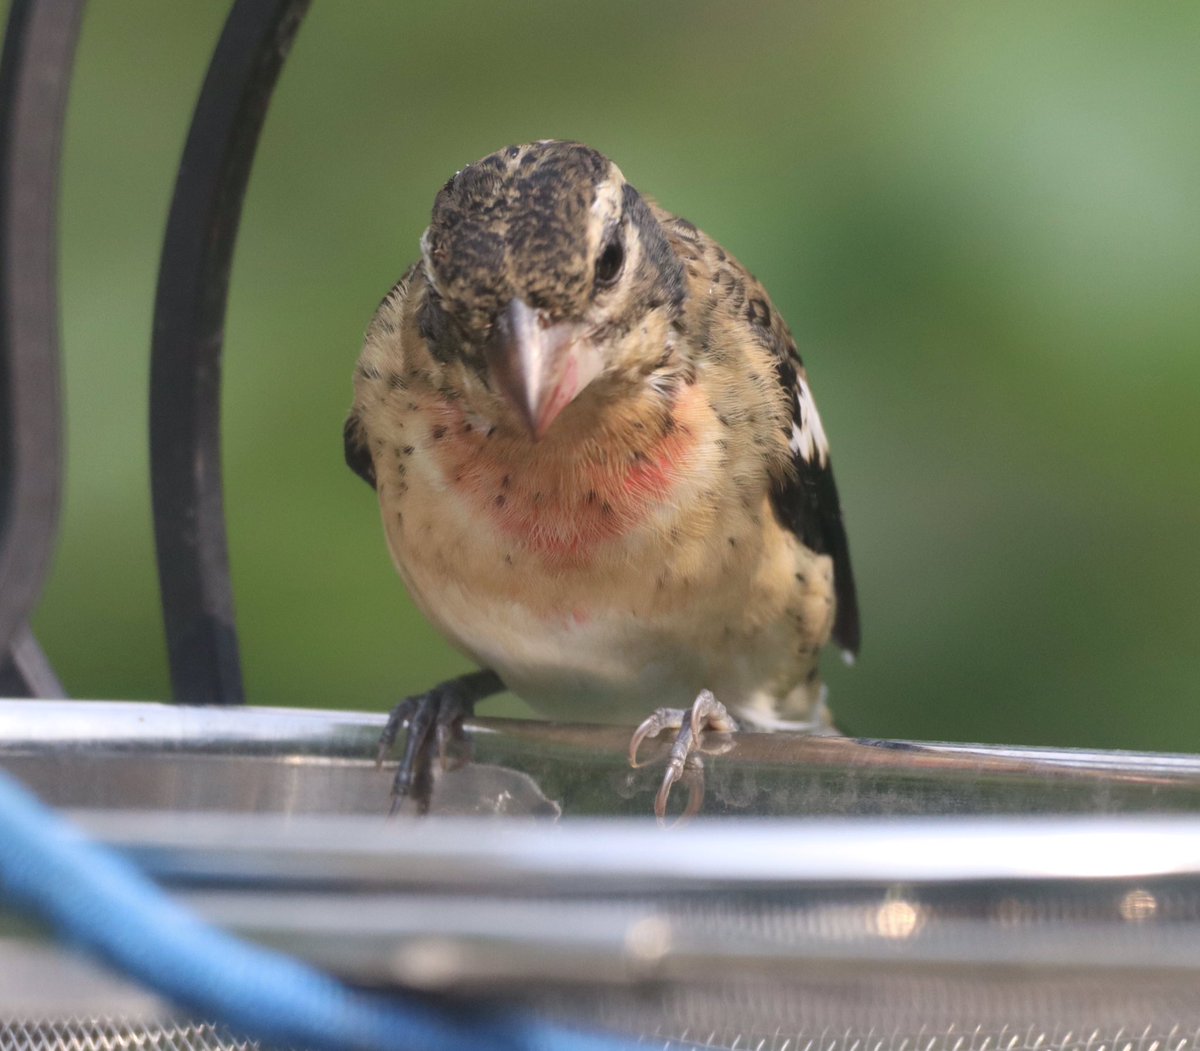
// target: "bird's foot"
[[684, 761], [434, 721]]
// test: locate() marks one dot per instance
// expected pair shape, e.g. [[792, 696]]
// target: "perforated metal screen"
[[87, 1034]]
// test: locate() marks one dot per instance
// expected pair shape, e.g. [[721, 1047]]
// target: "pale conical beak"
[[538, 365]]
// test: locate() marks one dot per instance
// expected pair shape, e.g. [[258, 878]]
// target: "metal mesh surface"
[[952, 1038], [89, 1034], [876, 1012], [115, 1035]]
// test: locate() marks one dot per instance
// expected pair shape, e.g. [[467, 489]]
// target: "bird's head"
[[549, 277]]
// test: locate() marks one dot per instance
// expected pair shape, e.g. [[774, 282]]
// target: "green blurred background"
[[982, 222]]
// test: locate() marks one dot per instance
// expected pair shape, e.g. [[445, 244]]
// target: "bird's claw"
[[689, 770], [434, 722], [684, 762], [655, 723]]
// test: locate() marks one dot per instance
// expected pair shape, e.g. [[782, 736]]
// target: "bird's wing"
[[805, 498], [358, 456], [803, 493]]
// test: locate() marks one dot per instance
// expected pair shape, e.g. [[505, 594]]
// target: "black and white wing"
[[806, 498]]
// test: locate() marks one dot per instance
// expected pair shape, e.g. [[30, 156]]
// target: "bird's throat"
[[570, 496]]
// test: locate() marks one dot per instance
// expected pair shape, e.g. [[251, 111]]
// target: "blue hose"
[[97, 901]]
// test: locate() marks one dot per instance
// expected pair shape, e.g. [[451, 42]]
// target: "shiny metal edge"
[[25, 724], [589, 855], [144, 723], [418, 941]]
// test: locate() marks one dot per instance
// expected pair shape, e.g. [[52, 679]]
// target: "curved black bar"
[[26, 672], [35, 73], [185, 372]]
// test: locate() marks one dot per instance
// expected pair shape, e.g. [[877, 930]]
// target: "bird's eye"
[[612, 258]]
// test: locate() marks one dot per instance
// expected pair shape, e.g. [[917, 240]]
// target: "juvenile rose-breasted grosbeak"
[[600, 467]]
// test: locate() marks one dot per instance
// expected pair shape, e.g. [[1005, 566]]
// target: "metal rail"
[[185, 377], [35, 73], [193, 286]]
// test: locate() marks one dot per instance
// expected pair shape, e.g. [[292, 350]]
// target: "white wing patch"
[[808, 436]]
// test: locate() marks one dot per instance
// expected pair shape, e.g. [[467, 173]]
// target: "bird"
[[600, 468]]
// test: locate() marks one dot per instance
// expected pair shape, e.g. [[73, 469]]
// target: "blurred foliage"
[[982, 221]]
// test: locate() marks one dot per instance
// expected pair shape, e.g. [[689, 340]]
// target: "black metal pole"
[[35, 74], [185, 374]]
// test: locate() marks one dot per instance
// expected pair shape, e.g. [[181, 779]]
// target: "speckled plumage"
[[664, 519]]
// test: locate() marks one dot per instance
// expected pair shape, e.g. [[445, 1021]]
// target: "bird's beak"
[[539, 366]]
